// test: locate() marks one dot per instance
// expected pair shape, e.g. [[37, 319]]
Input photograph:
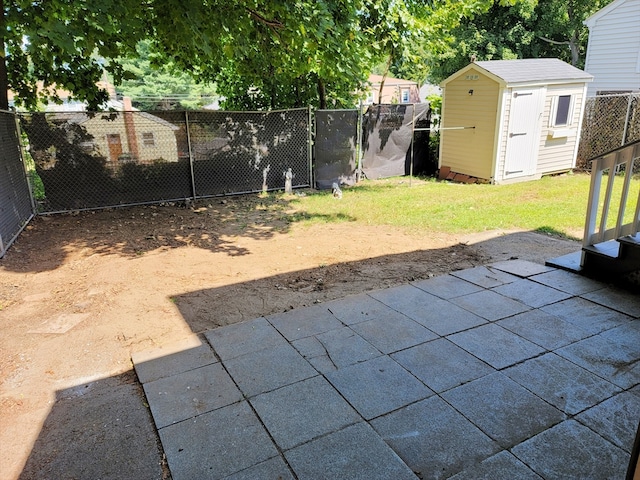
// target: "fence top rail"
[[615, 150], [97, 112], [611, 95]]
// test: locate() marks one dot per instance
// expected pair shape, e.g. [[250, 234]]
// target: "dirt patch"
[[79, 293]]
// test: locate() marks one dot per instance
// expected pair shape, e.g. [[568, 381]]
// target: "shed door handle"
[[517, 134]]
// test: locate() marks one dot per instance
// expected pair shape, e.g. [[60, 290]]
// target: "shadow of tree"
[[132, 231]]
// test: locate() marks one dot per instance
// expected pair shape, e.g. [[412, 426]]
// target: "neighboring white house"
[[512, 120], [394, 90], [613, 52]]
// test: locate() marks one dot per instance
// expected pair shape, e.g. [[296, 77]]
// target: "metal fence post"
[[359, 144], [24, 165], [626, 120], [193, 178], [310, 146]]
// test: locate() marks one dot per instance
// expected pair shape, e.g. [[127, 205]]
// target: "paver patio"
[[513, 370]]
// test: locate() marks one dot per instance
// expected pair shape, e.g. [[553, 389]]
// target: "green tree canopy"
[[63, 44], [163, 87], [520, 29]]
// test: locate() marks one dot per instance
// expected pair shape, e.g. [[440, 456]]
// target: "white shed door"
[[523, 135]]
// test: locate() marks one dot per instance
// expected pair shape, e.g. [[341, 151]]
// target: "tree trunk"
[[4, 81], [384, 77], [322, 93]]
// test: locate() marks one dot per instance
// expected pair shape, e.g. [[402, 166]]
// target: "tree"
[[261, 53], [267, 52], [62, 44], [162, 88], [521, 29]]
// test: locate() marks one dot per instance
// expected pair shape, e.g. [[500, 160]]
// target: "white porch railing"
[[596, 230]]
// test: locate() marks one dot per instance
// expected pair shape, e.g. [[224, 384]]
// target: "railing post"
[[592, 205]]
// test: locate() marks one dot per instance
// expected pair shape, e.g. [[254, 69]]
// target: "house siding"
[[613, 52], [470, 151], [558, 154], [165, 145]]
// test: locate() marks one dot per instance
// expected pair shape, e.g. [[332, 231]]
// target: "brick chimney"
[[130, 128]]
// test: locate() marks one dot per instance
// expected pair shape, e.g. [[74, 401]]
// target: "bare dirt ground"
[[79, 293]]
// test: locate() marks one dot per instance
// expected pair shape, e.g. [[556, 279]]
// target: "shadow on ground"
[[104, 429]]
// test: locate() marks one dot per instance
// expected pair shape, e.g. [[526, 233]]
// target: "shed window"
[[562, 111], [148, 140], [405, 95]]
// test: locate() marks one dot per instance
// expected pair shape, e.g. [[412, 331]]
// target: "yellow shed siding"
[[470, 151], [558, 154]]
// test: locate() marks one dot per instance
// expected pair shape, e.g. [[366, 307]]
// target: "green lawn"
[[554, 204]]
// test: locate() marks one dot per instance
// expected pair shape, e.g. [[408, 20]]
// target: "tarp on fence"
[[94, 160], [335, 147], [387, 134], [15, 200]]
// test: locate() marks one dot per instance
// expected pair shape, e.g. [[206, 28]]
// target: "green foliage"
[[554, 204], [162, 88], [498, 30], [62, 43]]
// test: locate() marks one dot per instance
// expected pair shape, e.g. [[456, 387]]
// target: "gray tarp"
[[388, 130]]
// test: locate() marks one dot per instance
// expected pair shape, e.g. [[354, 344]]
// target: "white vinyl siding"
[[557, 154], [613, 52]]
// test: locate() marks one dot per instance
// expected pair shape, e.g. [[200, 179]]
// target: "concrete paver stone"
[[616, 299], [216, 444], [178, 358], [563, 384], [304, 322], [355, 453], [442, 365], [490, 305], [341, 347], [502, 409], [572, 451], [544, 329], [393, 334], [531, 293], [520, 268], [536, 371], [446, 286], [615, 362], [358, 308], [274, 468], [434, 439], [303, 411], [438, 315], [173, 399], [495, 345], [616, 419], [378, 386], [502, 466], [266, 370], [486, 277], [238, 339], [587, 315], [568, 282]]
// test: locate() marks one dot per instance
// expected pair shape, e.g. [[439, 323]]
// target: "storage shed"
[[509, 121]]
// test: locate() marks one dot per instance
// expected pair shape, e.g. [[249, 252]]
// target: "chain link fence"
[[90, 160], [336, 147], [16, 208], [609, 122]]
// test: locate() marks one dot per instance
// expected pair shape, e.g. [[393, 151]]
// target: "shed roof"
[[534, 70]]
